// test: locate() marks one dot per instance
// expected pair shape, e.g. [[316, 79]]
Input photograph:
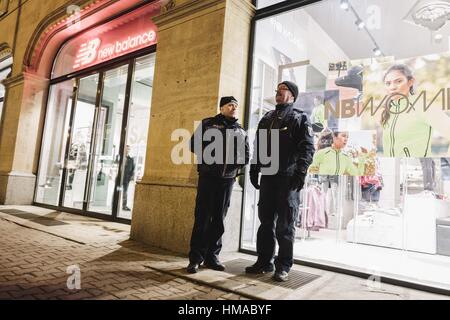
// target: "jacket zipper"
[[394, 122], [407, 152], [338, 165], [226, 153], [273, 121], [270, 130], [428, 143]]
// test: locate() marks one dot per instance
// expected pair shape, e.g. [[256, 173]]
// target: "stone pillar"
[[202, 54], [20, 137]]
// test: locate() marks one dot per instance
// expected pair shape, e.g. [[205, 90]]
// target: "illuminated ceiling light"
[[433, 15], [360, 24], [377, 52], [438, 37], [430, 14], [345, 5]]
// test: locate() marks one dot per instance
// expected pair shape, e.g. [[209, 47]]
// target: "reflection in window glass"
[[265, 3], [370, 221]]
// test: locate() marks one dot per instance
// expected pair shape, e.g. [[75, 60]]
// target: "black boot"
[[192, 267], [260, 268]]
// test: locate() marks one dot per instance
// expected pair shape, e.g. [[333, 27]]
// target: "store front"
[[97, 118], [395, 223]]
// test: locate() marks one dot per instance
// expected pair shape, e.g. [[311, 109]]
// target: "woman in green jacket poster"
[[333, 161], [408, 129]]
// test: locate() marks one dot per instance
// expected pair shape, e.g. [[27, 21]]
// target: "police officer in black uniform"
[[216, 180], [280, 192]]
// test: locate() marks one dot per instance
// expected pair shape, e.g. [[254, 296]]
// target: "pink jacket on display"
[[316, 217], [374, 180]]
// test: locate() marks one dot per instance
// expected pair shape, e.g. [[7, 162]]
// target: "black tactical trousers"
[[213, 201], [278, 212]]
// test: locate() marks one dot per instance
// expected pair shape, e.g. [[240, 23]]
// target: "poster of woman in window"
[[408, 103], [345, 153]]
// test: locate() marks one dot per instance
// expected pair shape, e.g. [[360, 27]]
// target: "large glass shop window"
[[374, 74]]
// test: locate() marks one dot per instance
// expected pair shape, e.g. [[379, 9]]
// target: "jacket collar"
[[336, 150], [226, 121], [284, 106]]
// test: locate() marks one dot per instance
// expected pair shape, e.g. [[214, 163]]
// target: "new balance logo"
[[87, 53]]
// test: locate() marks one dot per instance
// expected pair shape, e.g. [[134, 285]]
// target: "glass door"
[[79, 147], [107, 142], [53, 152]]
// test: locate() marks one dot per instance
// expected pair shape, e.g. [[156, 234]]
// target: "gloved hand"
[[254, 179], [297, 181]]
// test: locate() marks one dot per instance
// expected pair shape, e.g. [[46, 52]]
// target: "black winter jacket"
[[234, 155], [296, 144]]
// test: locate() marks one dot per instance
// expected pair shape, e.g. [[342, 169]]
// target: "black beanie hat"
[[226, 100], [292, 88]]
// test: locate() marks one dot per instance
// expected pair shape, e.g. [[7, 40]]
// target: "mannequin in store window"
[[128, 176]]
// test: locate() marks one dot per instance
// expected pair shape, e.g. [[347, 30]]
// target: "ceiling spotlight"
[[345, 5], [438, 37], [360, 24], [433, 15], [377, 52]]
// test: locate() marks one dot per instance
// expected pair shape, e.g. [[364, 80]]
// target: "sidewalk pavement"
[[46, 254]]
